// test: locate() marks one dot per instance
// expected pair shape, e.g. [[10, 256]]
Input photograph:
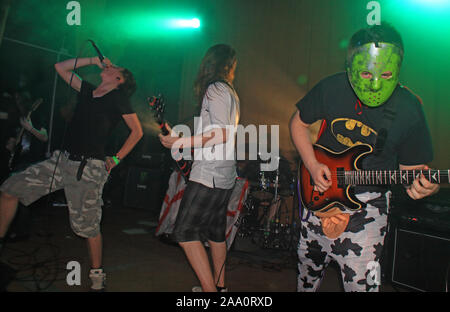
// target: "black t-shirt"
[[408, 139], [93, 121]]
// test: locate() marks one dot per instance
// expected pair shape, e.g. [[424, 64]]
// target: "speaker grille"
[[420, 260]]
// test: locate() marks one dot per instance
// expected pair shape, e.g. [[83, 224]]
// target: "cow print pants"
[[357, 250]]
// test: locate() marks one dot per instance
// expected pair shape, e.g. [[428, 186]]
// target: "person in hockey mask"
[[364, 105], [373, 71]]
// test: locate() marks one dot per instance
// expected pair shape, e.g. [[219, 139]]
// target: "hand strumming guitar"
[[318, 173]]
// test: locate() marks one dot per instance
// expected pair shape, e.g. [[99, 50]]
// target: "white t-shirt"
[[216, 166]]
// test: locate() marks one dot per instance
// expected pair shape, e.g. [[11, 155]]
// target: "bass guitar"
[[345, 173], [158, 106], [18, 147]]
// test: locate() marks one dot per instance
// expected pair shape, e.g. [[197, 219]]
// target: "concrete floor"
[[137, 261]]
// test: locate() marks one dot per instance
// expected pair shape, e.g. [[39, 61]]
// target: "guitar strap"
[[389, 113]]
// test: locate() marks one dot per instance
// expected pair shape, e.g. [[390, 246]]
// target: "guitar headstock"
[[158, 106]]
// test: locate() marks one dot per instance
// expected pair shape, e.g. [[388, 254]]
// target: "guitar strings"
[[399, 172]]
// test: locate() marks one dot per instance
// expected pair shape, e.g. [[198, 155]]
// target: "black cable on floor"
[[42, 266]]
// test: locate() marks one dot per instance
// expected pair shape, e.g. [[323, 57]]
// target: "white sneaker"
[[199, 289], [98, 278]]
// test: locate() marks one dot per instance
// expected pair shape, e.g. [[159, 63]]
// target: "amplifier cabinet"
[[143, 188], [420, 260]]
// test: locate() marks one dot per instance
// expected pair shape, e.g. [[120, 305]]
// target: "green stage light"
[[184, 23], [432, 4], [154, 24]]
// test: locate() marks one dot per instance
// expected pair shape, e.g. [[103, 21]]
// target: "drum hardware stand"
[[267, 229]]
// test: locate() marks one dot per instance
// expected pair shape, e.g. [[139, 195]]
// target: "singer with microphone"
[[81, 167]]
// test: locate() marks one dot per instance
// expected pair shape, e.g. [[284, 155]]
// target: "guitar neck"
[[22, 130], [388, 177], [162, 126]]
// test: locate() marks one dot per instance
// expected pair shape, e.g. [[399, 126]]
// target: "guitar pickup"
[[340, 177]]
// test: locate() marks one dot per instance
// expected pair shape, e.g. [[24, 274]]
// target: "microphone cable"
[[69, 90]]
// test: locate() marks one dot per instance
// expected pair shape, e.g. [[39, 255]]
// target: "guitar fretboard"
[[386, 177]]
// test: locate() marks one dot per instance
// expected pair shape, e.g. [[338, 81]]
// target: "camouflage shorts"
[[84, 197]]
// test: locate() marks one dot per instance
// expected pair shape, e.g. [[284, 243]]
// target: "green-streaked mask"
[[375, 59]]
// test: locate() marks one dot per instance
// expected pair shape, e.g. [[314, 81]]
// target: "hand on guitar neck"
[[26, 123], [166, 138], [172, 142], [420, 187]]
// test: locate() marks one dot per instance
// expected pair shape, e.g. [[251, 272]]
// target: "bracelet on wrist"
[[116, 159]]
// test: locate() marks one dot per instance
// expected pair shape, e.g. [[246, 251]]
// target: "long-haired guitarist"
[[366, 104], [202, 212]]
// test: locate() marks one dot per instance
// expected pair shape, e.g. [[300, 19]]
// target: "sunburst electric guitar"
[[345, 173]]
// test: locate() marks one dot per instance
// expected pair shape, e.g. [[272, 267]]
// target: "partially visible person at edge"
[[353, 106], [25, 135], [82, 166], [34, 134], [202, 212]]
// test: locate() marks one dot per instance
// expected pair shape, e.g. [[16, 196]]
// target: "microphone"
[[100, 55]]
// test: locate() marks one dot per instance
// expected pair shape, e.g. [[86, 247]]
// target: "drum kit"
[[268, 218]]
